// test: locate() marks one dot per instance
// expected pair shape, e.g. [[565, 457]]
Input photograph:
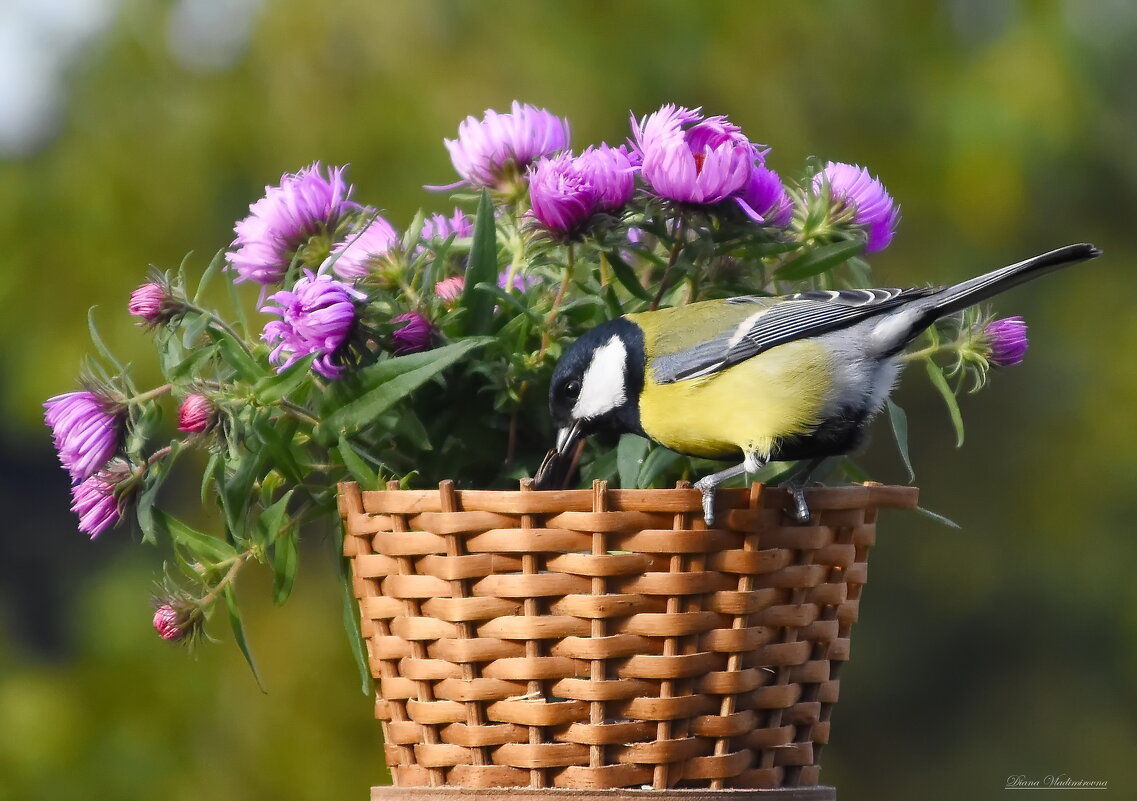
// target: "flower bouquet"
[[403, 358]]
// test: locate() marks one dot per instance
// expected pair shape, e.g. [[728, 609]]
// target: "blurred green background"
[[135, 131]]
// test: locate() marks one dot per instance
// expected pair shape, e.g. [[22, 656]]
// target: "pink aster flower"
[[439, 227], [416, 334], [354, 257], [690, 158], [93, 500], [851, 187], [1007, 340], [305, 204], [196, 414], [450, 289], [764, 198], [86, 429], [495, 150], [317, 316]]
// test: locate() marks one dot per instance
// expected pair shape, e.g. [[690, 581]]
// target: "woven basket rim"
[[528, 500]]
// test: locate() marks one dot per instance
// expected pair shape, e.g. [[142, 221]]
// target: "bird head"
[[595, 389]]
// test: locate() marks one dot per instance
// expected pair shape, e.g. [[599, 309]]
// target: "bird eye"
[[572, 389]]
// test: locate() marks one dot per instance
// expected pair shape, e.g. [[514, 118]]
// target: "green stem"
[[676, 248], [157, 392], [238, 562], [932, 350], [217, 322], [299, 412], [550, 318]]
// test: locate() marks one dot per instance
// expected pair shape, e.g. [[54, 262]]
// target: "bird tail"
[[897, 330], [983, 287]]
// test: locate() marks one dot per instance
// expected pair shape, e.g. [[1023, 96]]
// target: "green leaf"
[[191, 365], [193, 326], [155, 475], [233, 351], [196, 542], [482, 269], [814, 262], [941, 384], [414, 232], [272, 519], [239, 633], [271, 388], [946, 521], [397, 378], [101, 346], [658, 460], [214, 267], [627, 276], [351, 618], [284, 563], [899, 421], [630, 454], [356, 465]]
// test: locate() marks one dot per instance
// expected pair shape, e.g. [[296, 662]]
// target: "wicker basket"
[[600, 638]]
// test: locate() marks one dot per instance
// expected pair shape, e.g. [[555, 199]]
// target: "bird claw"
[[799, 509], [708, 502]]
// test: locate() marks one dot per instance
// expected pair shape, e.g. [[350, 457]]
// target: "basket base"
[[816, 793]]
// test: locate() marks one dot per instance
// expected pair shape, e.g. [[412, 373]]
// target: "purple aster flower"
[[561, 196], [692, 159], [354, 257], [94, 498], [416, 334], [520, 282], [196, 414], [764, 198], [610, 173], [1007, 340], [495, 150], [305, 204], [852, 187], [86, 429], [565, 191], [439, 227], [317, 315], [450, 289]]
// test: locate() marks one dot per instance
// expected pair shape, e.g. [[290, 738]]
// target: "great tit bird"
[[758, 379]]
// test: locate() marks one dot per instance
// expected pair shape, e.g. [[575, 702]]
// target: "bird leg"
[[796, 484], [707, 485]]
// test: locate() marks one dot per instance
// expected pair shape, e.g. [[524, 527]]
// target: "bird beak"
[[554, 470], [567, 437]]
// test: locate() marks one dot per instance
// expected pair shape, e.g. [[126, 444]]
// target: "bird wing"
[[789, 318]]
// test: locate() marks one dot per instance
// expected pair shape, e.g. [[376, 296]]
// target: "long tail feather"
[[978, 289]]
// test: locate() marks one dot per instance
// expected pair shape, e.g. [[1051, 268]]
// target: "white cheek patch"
[[603, 387]]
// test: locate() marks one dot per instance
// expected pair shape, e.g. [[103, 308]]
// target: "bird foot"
[[708, 491], [799, 509]]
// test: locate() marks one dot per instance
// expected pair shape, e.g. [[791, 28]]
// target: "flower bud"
[[1007, 340], [414, 336], [171, 623], [450, 289], [197, 414]]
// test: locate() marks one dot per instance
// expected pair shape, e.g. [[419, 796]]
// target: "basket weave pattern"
[[605, 638]]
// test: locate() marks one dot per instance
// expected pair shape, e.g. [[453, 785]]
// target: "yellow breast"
[[746, 408]]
